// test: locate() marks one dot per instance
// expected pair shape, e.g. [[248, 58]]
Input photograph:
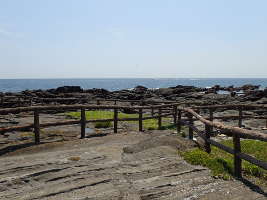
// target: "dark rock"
[[254, 95], [233, 94], [140, 89], [249, 87], [164, 91], [68, 89], [217, 88]]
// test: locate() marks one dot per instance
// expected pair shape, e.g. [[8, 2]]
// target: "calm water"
[[15, 85]]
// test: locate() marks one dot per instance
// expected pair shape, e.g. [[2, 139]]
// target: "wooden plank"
[[16, 128], [83, 122], [115, 123], [2, 101], [207, 134], [240, 117], [69, 122], [211, 117], [174, 114], [251, 134], [36, 128], [140, 119], [253, 160], [237, 160], [191, 122], [179, 121], [159, 120]]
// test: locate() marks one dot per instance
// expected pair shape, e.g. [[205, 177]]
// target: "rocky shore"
[[76, 94]]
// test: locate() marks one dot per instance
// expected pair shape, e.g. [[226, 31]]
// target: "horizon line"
[[135, 78]]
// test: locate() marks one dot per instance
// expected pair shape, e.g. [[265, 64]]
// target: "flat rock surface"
[[121, 166]]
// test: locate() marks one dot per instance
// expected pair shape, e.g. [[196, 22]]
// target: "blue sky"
[[133, 38]]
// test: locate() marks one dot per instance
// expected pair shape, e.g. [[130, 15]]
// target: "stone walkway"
[[123, 166]]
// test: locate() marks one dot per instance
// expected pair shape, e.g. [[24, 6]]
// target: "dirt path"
[[122, 166]]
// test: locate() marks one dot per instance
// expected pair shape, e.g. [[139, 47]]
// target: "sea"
[[112, 84]]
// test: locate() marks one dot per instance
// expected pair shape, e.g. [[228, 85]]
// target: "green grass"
[[149, 124], [221, 163], [103, 124]]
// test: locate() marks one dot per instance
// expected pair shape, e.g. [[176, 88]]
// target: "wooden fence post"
[[98, 102], [179, 121], [140, 119], [159, 119], [190, 119], [237, 160], [36, 127], [2, 101], [207, 134], [83, 122], [19, 102], [175, 115], [152, 114], [240, 117], [115, 123], [115, 102], [211, 118]]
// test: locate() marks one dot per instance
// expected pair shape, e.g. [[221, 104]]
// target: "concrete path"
[[130, 166]]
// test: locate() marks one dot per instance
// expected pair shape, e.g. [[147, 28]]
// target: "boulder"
[[249, 87], [140, 89], [68, 89], [164, 91]]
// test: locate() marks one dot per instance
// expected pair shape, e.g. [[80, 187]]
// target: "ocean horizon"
[[112, 84]]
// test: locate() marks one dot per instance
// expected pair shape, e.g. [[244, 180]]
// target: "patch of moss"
[[103, 124], [149, 124], [221, 163]]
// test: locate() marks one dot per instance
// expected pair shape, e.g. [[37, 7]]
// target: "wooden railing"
[[181, 116]]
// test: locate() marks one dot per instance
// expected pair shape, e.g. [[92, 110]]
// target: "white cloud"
[[7, 33], [116, 32], [4, 32]]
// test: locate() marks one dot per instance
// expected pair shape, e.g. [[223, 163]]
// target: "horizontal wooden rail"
[[174, 110], [235, 132], [243, 156], [251, 134], [232, 106]]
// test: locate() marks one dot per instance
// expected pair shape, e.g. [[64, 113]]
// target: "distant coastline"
[[112, 84]]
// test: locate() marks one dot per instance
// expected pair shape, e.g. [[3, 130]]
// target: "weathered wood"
[[152, 114], [211, 118], [191, 122], [144, 118], [175, 114], [159, 120], [69, 122], [240, 117], [253, 160], [237, 160], [207, 134], [97, 102], [115, 123], [36, 127], [140, 119], [16, 128], [2, 101], [179, 121], [83, 122], [251, 134]]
